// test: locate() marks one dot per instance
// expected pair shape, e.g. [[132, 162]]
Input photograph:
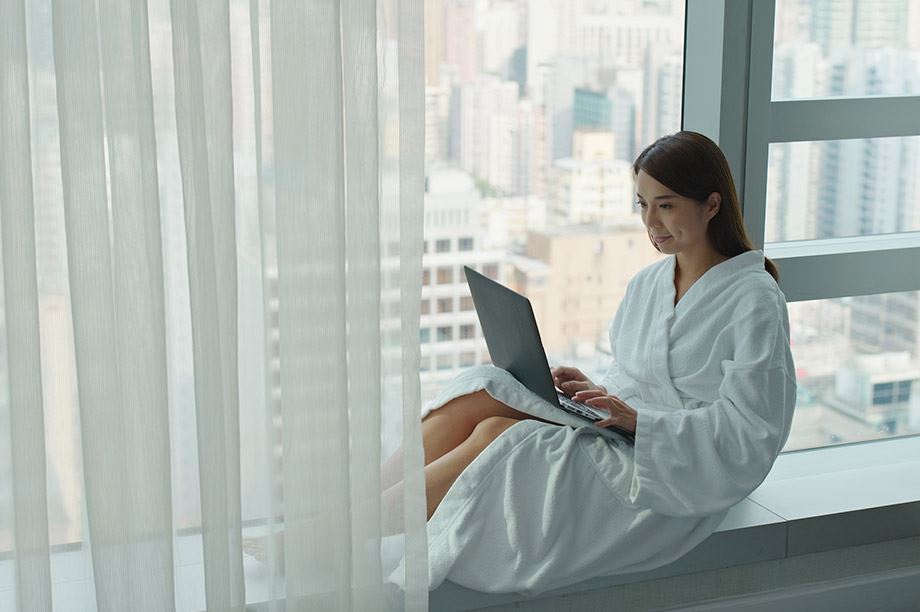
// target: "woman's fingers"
[[573, 387], [565, 373], [621, 414]]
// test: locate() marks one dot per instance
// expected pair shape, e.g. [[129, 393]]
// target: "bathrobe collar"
[[749, 261]]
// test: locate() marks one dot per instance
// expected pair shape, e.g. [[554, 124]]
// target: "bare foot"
[[259, 548]]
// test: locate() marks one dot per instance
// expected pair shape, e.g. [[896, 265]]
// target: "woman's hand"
[[572, 380], [621, 415]]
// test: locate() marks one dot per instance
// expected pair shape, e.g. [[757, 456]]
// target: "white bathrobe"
[[713, 383]]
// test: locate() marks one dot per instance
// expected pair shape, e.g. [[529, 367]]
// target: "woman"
[[702, 374]]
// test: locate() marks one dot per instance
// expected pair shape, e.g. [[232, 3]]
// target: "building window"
[[465, 244], [426, 307], [445, 275], [490, 270], [442, 245], [903, 391], [467, 332], [445, 304], [426, 277], [445, 362], [467, 359], [466, 303], [424, 335], [882, 393], [445, 333]]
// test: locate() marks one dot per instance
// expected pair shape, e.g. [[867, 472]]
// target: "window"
[[467, 359], [445, 276], [903, 391], [445, 305], [426, 277], [842, 188], [883, 393], [445, 362], [426, 306], [445, 334], [535, 139], [829, 113], [844, 49], [424, 335]]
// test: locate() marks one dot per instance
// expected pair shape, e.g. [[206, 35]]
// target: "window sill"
[[813, 501]]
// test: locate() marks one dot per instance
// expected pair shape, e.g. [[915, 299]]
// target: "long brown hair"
[[693, 166]]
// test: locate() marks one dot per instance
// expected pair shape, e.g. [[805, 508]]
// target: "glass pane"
[[841, 188], [534, 112], [846, 48], [857, 363]]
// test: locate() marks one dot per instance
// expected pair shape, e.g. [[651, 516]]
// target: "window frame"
[[728, 73]]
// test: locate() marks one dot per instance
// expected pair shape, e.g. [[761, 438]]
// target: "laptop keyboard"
[[576, 407]]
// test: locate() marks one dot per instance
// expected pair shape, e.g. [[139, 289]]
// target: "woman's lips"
[[660, 239]]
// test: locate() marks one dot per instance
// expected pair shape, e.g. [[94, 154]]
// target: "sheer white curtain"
[[211, 226]]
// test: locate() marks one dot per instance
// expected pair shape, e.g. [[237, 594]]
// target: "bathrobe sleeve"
[[702, 460]]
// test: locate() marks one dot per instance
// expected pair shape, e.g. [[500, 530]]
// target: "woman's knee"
[[470, 409], [487, 430]]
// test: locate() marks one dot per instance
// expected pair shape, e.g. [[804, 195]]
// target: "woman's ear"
[[713, 204]]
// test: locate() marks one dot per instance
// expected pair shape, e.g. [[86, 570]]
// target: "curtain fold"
[[201, 52], [307, 96], [115, 270], [362, 289], [227, 206], [411, 89], [25, 420]]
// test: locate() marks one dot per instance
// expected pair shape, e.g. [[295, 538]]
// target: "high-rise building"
[[449, 329], [591, 187], [434, 40], [623, 122], [498, 37], [460, 38], [437, 121], [663, 89], [620, 40], [576, 278], [591, 109], [488, 131]]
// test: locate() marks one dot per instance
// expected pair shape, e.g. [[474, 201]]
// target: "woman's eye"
[[665, 206], [642, 204]]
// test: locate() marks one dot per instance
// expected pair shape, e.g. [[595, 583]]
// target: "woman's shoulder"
[[653, 271], [755, 295]]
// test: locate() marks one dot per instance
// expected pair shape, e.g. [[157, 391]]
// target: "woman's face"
[[675, 223]]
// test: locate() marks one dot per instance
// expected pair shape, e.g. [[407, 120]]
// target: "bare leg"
[[452, 436], [441, 473], [445, 428]]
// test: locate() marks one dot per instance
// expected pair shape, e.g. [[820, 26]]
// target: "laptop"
[[510, 330]]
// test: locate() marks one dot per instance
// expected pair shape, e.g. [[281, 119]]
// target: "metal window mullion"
[[757, 143], [839, 119], [834, 275]]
